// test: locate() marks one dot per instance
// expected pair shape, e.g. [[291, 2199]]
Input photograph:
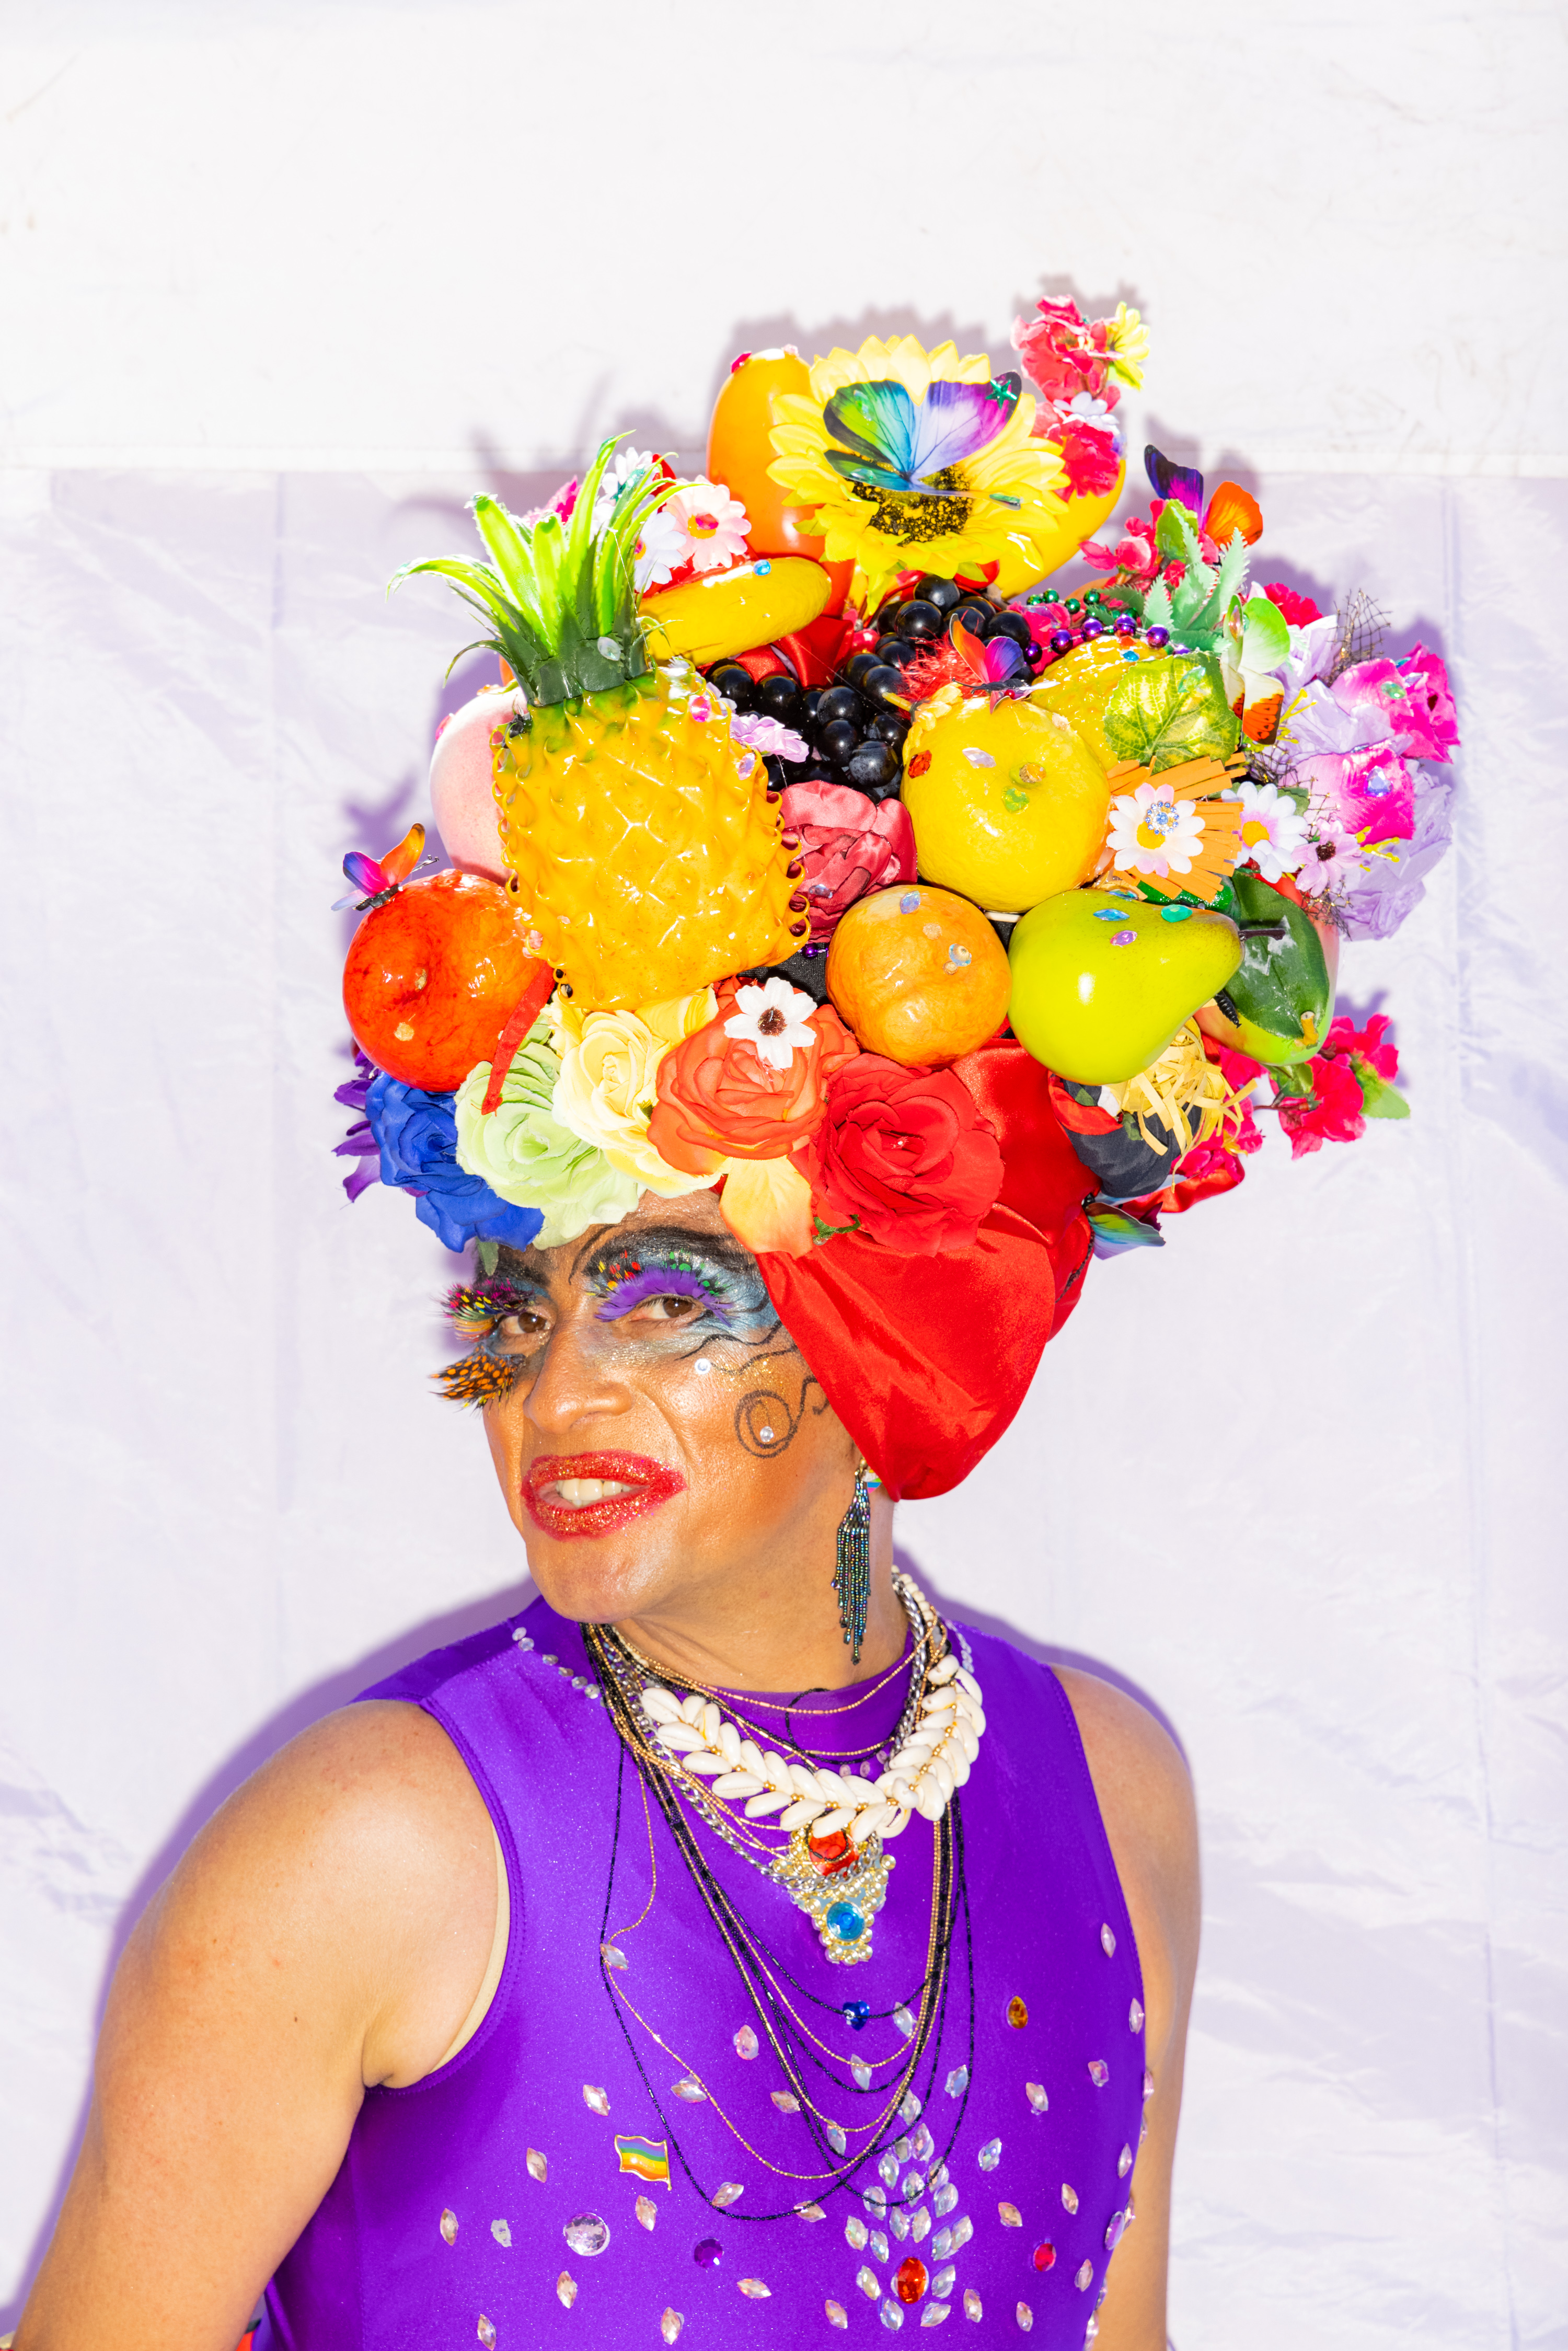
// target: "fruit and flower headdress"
[[954, 926]]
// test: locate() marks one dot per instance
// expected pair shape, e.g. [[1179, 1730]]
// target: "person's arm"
[[329, 1928], [1147, 1802]]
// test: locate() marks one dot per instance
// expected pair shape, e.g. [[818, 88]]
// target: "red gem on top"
[[910, 2279]]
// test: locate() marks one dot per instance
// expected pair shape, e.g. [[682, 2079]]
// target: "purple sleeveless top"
[[550, 2184]]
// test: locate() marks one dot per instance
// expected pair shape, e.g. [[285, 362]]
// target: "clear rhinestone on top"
[[647, 2213], [730, 2192], [860, 2071], [745, 2043], [538, 2164], [671, 2325], [913, 2186], [1069, 2197], [898, 2221], [878, 2246], [973, 2307], [958, 2081], [921, 2225], [786, 2101], [1036, 2095], [837, 2314], [943, 2198], [856, 2232], [1084, 2277], [990, 2155], [586, 2233], [1107, 1942], [1135, 2017], [1123, 2163], [909, 2107], [942, 2283], [924, 2145], [891, 2316], [937, 2313], [486, 2332], [888, 2167], [501, 2231], [1025, 2316], [595, 2099], [449, 2226]]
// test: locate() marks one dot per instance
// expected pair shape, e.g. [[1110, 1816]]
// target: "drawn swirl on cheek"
[[767, 1426]]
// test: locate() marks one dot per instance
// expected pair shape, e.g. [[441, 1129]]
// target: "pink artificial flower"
[[1134, 555], [1368, 1045], [1298, 611], [1330, 1113], [1378, 794], [1090, 456], [1058, 350], [564, 500], [1435, 734], [849, 844]]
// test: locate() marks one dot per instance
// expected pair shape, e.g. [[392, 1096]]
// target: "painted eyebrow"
[[667, 1245]]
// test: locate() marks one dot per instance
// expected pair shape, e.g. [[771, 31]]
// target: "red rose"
[[903, 1156], [849, 844], [719, 1100]]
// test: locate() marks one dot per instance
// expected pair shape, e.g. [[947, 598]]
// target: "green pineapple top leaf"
[[560, 599]]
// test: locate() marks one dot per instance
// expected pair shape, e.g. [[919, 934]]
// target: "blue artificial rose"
[[417, 1137]]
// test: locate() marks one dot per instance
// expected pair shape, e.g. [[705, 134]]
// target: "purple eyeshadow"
[[640, 1283]]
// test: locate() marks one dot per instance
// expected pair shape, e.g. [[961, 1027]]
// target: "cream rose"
[[608, 1086]]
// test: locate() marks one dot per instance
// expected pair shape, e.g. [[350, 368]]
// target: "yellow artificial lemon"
[[919, 974], [1007, 804], [1081, 683], [1102, 983], [1050, 535], [724, 613]]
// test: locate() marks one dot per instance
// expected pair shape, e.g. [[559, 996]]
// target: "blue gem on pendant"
[[857, 2012], [846, 1922]]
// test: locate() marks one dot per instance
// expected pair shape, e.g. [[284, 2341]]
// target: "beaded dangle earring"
[[851, 1576]]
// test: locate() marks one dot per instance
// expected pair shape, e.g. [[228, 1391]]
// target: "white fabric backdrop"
[[284, 284]]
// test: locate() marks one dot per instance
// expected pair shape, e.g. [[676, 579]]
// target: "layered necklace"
[[833, 1867], [698, 1762]]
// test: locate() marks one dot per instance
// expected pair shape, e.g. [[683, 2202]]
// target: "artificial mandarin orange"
[[433, 975], [919, 974]]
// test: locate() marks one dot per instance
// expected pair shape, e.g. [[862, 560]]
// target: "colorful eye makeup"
[[632, 1280]]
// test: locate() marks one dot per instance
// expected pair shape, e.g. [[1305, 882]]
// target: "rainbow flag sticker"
[[647, 2158]]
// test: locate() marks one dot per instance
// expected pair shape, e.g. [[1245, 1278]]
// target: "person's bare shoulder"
[[1145, 1797], [1146, 1803], [329, 1928]]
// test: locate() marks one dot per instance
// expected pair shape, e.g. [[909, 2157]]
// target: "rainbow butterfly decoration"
[[891, 444], [381, 879]]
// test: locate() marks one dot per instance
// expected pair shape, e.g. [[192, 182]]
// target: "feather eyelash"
[[479, 1379]]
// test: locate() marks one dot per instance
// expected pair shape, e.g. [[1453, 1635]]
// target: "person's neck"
[[773, 1636]]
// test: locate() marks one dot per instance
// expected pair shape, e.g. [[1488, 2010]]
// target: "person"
[[454, 2015], [841, 946]]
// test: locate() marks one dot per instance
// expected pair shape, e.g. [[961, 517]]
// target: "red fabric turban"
[[925, 1360]]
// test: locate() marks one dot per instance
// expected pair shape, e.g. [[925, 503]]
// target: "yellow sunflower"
[[916, 457]]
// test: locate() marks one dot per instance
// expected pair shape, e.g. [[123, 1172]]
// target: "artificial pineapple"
[[637, 839]]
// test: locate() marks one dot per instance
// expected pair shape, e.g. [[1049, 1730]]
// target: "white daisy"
[[1273, 831], [1154, 833], [774, 1017]]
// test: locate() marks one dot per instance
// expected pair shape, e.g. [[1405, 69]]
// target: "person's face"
[[663, 1430]]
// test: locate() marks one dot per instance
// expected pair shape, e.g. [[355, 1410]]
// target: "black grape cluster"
[[854, 728]]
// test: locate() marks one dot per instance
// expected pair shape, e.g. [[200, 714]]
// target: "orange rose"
[[720, 1099]]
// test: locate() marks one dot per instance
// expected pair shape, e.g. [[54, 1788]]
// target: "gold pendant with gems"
[[839, 1885]]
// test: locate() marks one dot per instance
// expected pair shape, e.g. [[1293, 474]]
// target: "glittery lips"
[[646, 1484]]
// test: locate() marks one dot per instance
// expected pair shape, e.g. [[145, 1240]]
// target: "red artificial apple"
[[432, 977]]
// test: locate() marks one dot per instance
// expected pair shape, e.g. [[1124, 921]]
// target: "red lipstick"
[[647, 1483]]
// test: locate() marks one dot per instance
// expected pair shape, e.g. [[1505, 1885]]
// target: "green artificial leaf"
[[1288, 1078], [1265, 639], [488, 1254], [1165, 713], [1157, 612], [1378, 1098], [1176, 534]]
